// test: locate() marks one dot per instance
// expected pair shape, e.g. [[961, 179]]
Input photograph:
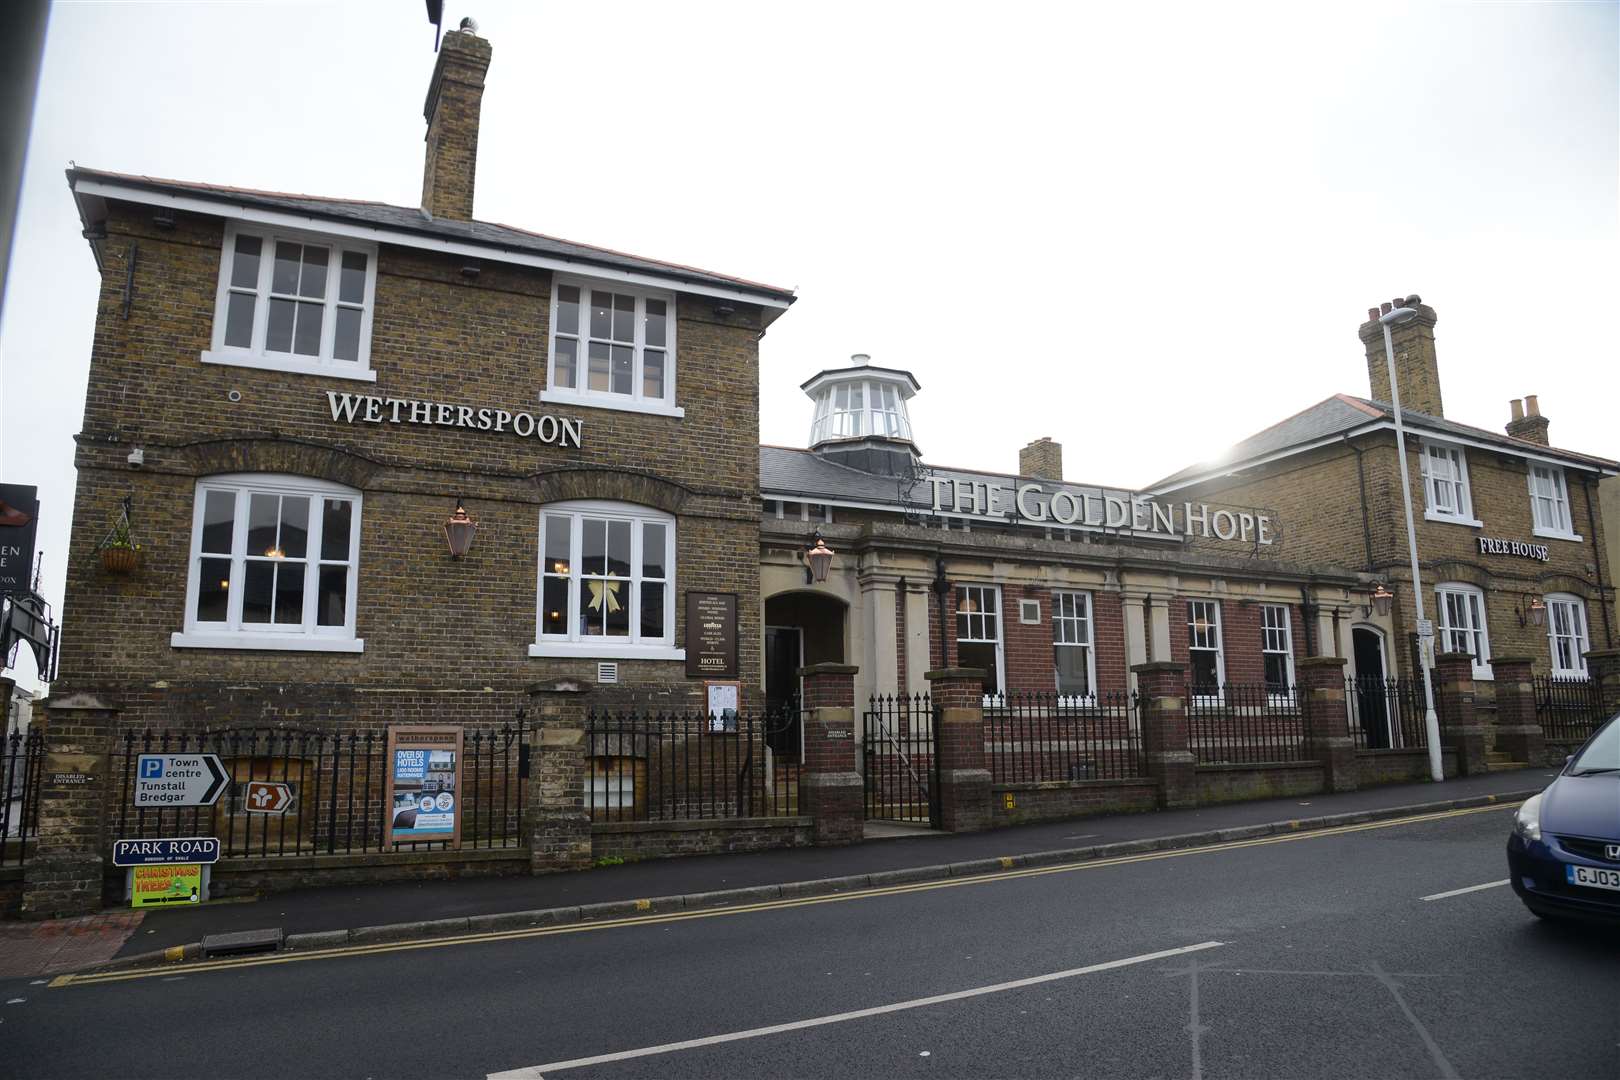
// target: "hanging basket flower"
[[119, 560], [119, 552]]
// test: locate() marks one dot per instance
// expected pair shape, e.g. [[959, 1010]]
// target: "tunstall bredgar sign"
[[1052, 504], [371, 409]]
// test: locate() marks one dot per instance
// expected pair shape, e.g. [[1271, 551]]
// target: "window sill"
[[607, 650], [266, 642], [339, 369], [1449, 519], [592, 401], [1548, 534]]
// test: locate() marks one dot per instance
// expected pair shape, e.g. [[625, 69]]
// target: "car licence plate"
[[1593, 877]]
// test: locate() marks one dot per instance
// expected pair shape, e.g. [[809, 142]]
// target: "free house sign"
[[711, 635]]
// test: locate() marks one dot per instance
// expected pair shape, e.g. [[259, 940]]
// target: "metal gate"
[[898, 762]]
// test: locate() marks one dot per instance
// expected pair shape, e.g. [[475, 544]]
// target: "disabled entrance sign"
[[179, 779]]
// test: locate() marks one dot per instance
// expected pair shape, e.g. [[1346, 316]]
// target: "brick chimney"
[[1528, 423], [1415, 364], [1042, 459], [455, 96]]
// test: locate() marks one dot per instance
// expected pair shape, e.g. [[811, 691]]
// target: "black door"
[[782, 652], [1371, 701]]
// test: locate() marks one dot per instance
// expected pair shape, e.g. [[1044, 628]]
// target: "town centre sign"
[[370, 409], [1098, 508]]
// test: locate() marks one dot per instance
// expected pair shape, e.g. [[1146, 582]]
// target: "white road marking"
[[537, 1072], [1471, 888]]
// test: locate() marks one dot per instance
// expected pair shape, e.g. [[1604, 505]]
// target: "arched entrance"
[[800, 628], [1372, 701]]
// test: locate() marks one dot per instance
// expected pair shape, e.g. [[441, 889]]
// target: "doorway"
[[784, 656], [1372, 700]]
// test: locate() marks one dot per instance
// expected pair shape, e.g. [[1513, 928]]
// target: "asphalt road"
[[1311, 955]]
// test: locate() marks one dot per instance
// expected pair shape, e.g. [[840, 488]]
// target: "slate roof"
[[788, 470], [1343, 413], [412, 219]]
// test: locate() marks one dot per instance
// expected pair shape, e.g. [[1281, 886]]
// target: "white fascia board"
[[380, 234], [1378, 425]]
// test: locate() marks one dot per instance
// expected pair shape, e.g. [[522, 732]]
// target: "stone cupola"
[[861, 418]]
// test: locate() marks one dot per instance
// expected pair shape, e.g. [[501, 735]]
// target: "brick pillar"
[[1460, 728], [1604, 667], [559, 825], [66, 875], [1327, 722], [1160, 686], [830, 789], [957, 695], [1518, 729]]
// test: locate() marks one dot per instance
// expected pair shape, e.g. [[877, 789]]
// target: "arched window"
[[274, 564], [1566, 634], [607, 582]]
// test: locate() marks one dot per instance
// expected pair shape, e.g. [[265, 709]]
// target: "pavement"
[[335, 915], [1386, 949]]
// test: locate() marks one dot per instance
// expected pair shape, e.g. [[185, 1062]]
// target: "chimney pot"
[[1385, 308], [1518, 408], [1372, 314], [1531, 406]]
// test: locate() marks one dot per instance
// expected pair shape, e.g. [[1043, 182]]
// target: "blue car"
[[1564, 854]]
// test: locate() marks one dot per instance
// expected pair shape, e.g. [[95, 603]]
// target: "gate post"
[[957, 695], [1460, 728], [829, 787], [1603, 665], [66, 874], [1327, 720], [1164, 732], [559, 827], [1518, 728]]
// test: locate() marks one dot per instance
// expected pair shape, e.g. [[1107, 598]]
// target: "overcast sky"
[[1145, 230]]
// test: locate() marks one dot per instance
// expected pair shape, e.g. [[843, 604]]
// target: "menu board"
[[711, 635]]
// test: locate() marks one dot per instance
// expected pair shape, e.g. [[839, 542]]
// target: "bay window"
[[607, 582], [1462, 624], [612, 347], [1566, 633], [294, 302], [274, 562]]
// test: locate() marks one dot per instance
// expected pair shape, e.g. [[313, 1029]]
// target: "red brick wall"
[[1028, 649], [1108, 635]]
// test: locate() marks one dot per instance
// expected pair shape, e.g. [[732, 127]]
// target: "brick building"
[[1511, 530], [292, 395]]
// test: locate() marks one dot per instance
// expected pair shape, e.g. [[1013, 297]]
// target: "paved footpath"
[[343, 908], [60, 945]]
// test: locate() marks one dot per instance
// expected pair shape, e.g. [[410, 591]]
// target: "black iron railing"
[[899, 768], [1031, 737], [338, 782], [1569, 710], [1386, 714], [679, 766], [1244, 724], [20, 761]]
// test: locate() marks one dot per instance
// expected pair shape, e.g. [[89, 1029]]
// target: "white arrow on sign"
[[179, 779]]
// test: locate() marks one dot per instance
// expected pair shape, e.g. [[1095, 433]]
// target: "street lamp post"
[[1431, 722]]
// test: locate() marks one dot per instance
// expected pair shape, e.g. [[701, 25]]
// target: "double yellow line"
[[744, 909]]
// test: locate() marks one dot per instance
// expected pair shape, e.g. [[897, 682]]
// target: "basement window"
[[294, 302]]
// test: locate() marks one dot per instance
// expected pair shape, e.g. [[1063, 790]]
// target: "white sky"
[[1146, 230]]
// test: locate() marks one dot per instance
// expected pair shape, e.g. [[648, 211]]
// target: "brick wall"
[[634, 841]]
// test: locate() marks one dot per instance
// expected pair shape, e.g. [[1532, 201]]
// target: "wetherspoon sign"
[[371, 409]]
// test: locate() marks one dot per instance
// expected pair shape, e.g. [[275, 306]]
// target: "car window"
[[1603, 752]]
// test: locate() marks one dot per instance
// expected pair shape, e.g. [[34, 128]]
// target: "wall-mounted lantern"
[[1537, 611], [459, 530], [1382, 600], [818, 559]]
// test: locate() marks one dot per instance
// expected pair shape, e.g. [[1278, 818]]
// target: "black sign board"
[[19, 519], [711, 635]]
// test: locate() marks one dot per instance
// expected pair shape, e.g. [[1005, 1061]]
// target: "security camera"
[[137, 457]]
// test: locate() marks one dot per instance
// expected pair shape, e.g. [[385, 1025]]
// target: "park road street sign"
[[267, 797], [178, 780], [181, 850]]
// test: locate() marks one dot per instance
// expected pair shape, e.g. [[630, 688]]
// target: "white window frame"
[[580, 393], [1580, 635], [632, 646], [1270, 633], [1219, 650], [1075, 623], [1447, 627], [1458, 458], [992, 606], [875, 406], [233, 633], [1561, 524], [255, 356]]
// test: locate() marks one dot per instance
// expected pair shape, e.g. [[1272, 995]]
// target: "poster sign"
[[724, 701], [711, 635], [424, 788], [19, 521], [165, 885]]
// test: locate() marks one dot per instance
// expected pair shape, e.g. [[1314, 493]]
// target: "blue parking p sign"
[[151, 767]]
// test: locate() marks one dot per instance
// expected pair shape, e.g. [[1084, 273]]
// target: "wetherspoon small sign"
[[371, 409], [1491, 546]]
